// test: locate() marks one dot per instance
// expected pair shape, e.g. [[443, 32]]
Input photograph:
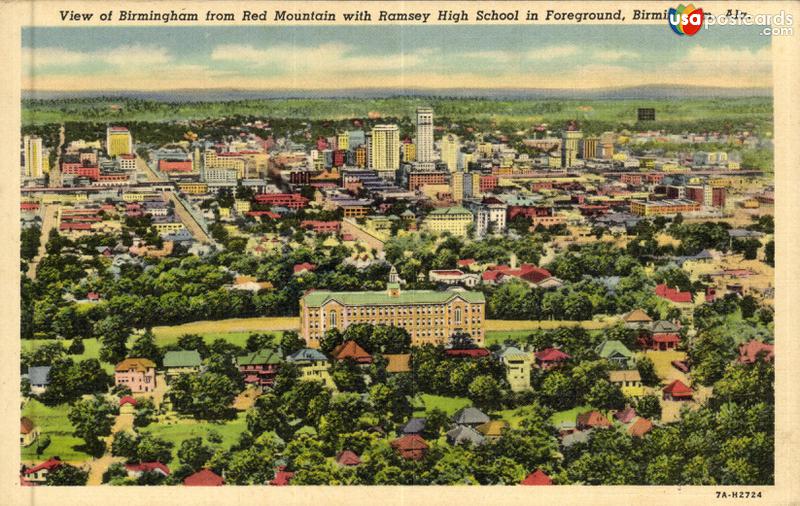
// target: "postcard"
[[428, 252]]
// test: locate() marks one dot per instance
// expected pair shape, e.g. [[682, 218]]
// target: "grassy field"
[[447, 404], [230, 326], [52, 421], [179, 430], [568, 415]]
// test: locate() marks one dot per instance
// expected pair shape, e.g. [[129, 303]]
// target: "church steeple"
[[393, 286]]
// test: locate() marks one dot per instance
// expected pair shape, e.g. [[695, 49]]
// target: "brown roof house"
[[677, 391], [204, 478], [351, 349], [591, 420], [537, 477], [28, 432], [411, 447], [138, 374]]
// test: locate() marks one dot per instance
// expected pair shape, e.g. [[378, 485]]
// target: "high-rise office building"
[[589, 148], [450, 146], [385, 149], [570, 144], [118, 141], [424, 134], [34, 162]]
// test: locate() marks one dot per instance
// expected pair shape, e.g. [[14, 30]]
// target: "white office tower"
[[385, 149], [425, 134], [33, 156]]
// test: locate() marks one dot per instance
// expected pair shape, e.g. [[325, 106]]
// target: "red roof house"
[[347, 458], [127, 400], [591, 420], [749, 351], [351, 349], [550, 357], [537, 477], [135, 470], [411, 446], [204, 478], [282, 477], [467, 353], [38, 473], [303, 267], [673, 294], [677, 391]]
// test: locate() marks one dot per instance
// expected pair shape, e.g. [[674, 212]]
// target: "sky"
[[399, 57]]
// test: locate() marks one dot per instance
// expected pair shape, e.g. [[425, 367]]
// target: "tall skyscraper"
[[34, 162], [385, 149], [607, 146], [589, 148], [450, 146], [570, 144], [424, 134], [118, 141]]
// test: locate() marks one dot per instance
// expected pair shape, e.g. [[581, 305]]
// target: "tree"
[[42, 443], [291, 342], [91, 420], [67, 475], [748, 305], [124, 444], [151, 448], [258, 341], [647, 371], [484, 391], [145, 412], [648, 406], [193, 342], [207, 396], [347, 376], [194, 453], [76, 347], [113, 334], [605, 395], [69, 381], [145, 347]]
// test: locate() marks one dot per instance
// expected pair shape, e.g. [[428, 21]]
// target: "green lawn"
[[182, 429], [569, 415], [91, 349], [499, 336], [53, 422], [447, 404]]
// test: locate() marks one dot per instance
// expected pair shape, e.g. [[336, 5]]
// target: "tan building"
[[428, 316], [518, 368], [455, 220]]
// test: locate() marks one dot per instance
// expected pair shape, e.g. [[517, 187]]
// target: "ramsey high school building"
[[428, 316]]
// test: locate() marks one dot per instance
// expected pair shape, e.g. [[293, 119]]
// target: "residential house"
[[640, 427], [673, 295], [549, 358], [518, 368], [204, 478], [464, 434], [28, 432], [492, 429], [751, 350], [629, 381], [626, 415], [313, 365], [127, 405], [303, 268], [136, 470], [347, 458], [414, 426], [38, 473], [616, 353], [677, 391], [575, 437], [282, 477], [529, 273], [537, 477], [470, 416], [591, 420], [660, 336], [259, 367], [350, 349], [181, 362], [637, 319], [138, 374], [39, 379], [411, 446]]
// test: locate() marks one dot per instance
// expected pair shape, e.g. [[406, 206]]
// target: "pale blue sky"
[[494, 56]]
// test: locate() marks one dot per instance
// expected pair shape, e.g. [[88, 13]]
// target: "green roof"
[[183, 358], [609, 348], [260, 357], [319, 297], [450, 210]]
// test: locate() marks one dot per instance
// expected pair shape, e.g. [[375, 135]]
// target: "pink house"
[[138, 374]]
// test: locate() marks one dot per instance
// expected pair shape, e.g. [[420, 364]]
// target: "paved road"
[[49, 214], [144, 168], [188, 220]]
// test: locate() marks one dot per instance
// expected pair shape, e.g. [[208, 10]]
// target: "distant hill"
[[223, 95]]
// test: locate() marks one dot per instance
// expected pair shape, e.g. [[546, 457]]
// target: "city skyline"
[[311, 58]]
